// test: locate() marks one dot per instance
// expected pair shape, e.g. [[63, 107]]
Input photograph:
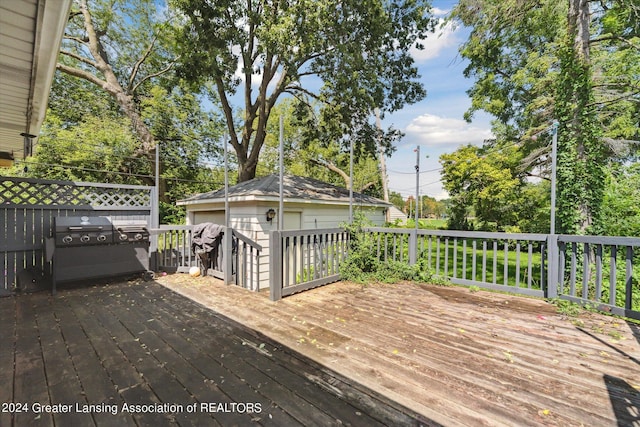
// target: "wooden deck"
[[457, 357], [138, 354]]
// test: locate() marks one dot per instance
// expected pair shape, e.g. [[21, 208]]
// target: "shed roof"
[[295, 188]]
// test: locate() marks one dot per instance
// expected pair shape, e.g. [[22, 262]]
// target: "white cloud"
[[444, 38], [432, 130]]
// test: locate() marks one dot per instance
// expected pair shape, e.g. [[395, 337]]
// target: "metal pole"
[[226, 184], [281, 189], [227, 257], [351, 181], [417, 182], [554, 160], [383, 165], [155, 220]]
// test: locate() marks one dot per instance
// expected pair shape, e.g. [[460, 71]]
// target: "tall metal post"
[[413, 239], [154, 222], [226, 183], [281, 188], [227, 242], [383, 165], [351, 181], [417, 182], [554, 160]]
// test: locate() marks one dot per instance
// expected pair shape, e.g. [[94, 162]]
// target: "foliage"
[[359, 53], [99, 146], [535, 62], [485, 179], [121, 48], [580, 177], [566, 307], [362, 264], [620, 206]]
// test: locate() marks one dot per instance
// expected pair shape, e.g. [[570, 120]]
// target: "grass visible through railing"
[[520, 268]]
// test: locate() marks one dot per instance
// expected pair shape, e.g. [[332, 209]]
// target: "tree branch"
[[83, 75], [136, 67], [79, 58], [333, 168], [153, 75]]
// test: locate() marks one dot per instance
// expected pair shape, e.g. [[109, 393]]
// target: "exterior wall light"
[[270, 215]]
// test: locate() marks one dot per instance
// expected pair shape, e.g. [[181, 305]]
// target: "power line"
[[27, 163], [135, 158]]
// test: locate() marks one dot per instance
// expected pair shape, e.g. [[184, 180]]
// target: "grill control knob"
[[102, 238], [123, 237], [138, 236], [85, 238], [67, 239]]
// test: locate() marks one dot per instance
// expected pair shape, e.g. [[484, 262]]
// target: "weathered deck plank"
[[455, 356], [135, 344]]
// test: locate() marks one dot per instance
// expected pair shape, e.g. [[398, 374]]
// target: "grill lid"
[[82, 223]]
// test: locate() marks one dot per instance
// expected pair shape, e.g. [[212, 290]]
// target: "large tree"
[[120, 47], [575, 62], [348, 56]]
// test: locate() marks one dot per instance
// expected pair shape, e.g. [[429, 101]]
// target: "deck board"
[[455, 356], [141, 343]]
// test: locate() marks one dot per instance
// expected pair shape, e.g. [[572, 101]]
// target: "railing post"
[[553, 266], [275, 265], [227, 256], [413, 247], [154, 223]]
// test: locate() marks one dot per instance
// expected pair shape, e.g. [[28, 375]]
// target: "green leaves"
[[340, 58]]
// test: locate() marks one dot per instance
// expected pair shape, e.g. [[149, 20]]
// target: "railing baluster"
[[455, 256], [517, 264], [464, 259], [495, 262], [529, 265], [438, 255], [506, 264], [574, 266], [613, 274], [585, 271], [598, 295], [473, 261], [628, 278], [484, 261]]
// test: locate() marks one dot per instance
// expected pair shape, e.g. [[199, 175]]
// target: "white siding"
[[250, 219]]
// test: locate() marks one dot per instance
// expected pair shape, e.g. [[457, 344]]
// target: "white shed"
[[308, 204]]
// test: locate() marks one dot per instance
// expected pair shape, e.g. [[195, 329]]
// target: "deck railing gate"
[[242, 268]]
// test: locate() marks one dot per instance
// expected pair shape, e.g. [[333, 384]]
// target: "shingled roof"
[[294, 188]]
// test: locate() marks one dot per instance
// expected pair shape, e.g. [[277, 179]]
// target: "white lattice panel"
[[21, 191]]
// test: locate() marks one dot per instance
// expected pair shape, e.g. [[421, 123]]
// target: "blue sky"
[[436, 123]]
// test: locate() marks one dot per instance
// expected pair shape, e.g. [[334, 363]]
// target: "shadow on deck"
[[139, 354]]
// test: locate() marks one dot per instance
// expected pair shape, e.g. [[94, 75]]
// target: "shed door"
[[216, 217], [292, 221]]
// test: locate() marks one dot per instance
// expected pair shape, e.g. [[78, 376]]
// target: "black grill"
[[95, 247], [82, 231]]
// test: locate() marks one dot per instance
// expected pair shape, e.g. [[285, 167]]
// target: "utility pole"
[[383, 164]]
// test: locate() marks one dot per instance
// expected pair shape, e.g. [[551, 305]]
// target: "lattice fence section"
[[35, 192]]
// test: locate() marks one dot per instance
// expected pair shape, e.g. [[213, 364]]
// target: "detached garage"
[[308, 204]]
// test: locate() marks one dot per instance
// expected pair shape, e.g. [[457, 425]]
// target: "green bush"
[[363, 266]]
